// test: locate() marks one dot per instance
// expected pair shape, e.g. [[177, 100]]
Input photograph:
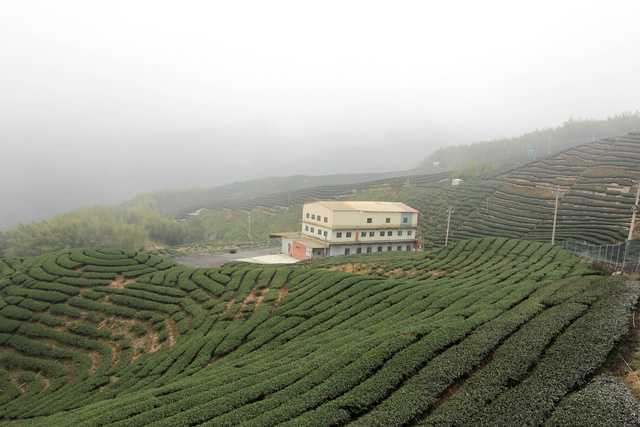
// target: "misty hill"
[[597, 188], [282, 191], [95, 337], [511, 201], [596, 183], [241, 194], [525, 148]]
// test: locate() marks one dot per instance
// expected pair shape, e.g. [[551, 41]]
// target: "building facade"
[[352, 227]]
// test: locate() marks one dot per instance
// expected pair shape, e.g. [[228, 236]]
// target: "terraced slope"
[[299, 195], [505, 329], [596, 182]]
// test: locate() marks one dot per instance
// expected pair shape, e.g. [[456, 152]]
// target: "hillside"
[[519, 150], [506, 152], [92, 337], [596, 183]]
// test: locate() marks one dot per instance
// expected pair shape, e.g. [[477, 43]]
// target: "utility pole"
[[635, 210], [633, 224], [325, 245], [249, 221], [555, 217], [446, 239]]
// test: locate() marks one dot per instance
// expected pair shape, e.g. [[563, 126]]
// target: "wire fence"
[[624, 256]]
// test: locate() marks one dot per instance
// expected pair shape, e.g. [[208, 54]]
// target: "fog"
[[105, 100]]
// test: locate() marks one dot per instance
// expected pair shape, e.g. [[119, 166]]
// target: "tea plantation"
[[482, 332]]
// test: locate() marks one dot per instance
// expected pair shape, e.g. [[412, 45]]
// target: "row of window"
[[405, 220], [373, 233], [313, 230], [386, 220], [318, 217], [362, 233], [347, 251]]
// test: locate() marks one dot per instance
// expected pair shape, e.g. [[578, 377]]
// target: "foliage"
[[507, 150], [492, 324], [101, 226]]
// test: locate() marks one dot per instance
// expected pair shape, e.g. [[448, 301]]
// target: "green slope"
[[507, 330], [596, 181]]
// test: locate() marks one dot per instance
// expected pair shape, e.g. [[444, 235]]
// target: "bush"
[[14, 312], [65, 310], [138, 329]]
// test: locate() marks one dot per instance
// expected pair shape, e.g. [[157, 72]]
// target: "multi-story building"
[[353, 227]]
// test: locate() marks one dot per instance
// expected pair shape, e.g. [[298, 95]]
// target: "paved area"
[[260, 256], [271, 259]]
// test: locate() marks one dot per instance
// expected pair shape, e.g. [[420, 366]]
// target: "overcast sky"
[[101, 100]]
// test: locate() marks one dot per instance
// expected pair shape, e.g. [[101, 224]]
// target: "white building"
[[353, 227]]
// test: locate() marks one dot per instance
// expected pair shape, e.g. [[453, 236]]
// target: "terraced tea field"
[[597, 194], [483, 332]]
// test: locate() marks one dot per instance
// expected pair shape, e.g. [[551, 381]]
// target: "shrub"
[[138, 329], [14, 312]]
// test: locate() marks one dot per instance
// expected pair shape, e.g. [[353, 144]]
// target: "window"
[[379, 248], [388, 220], [348, 234], [382, 233], [326, 219], [363, 234], [389, 233], [339, 234], [405, 220], [312, 229], [369, 220], [359, 250], [313, 216], [399, 248], [409, 233], [408, 247], [369, 249], [307, 214], [347, 251], [389, 248], [306, 228], [399, 233], [319, 232], [372, 233], [325, 234]]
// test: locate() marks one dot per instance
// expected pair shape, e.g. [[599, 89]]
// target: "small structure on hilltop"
[[351, 227]]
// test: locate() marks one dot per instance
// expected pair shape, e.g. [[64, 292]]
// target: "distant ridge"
[[298, 193]]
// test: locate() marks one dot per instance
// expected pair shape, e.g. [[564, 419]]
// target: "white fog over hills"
[[103, 101]]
